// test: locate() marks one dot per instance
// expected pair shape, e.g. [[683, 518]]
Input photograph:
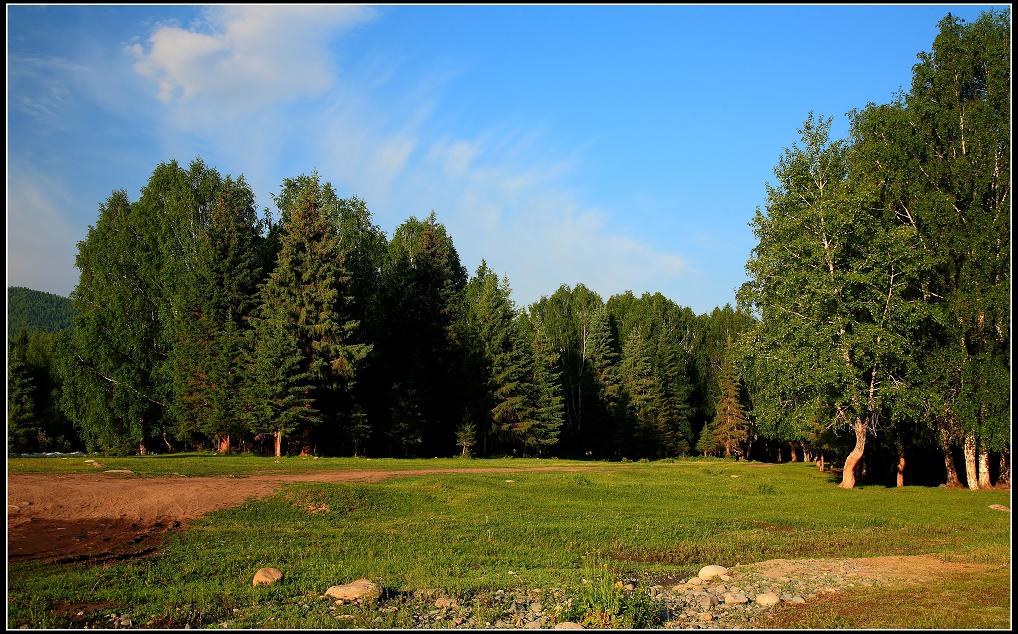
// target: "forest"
[[872, 333]]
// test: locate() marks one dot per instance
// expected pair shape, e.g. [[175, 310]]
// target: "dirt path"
[[100, 517]]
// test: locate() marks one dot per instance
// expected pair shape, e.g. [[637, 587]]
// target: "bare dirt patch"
[[106, 516], [877, 569]]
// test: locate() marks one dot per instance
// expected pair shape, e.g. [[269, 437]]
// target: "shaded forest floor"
[[480, 533]]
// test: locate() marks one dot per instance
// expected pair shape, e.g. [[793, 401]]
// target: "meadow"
[[476, 534]]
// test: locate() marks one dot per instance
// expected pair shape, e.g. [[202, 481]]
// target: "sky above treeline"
[[621, 147]]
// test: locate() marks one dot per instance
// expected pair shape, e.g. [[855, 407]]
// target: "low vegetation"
[[473, 535]]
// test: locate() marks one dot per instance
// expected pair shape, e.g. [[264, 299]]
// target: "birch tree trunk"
[[971, 477], [984, 469], [279, 443], [848, 476], [1004, 478], [900, 482], [224, 444], [949, 466]]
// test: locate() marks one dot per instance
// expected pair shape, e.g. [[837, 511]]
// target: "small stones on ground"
[[797, 599], [345, 617], [736, 598], [768, 599], [568, 625], [443, 602], [725, 577], [707, 601], [705, 616], [359, 590], [118, 471], [266, 577], [709, 572], [695, 581], [629, 587], [533, 625]]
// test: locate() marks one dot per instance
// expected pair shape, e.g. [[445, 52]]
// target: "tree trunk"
[[1004, 478], [279, 443], [794, 457], [971, 478], [820, 463], [848, 476], [142, 449], [984, 469], [806, 455], [901, 470], [728, 450], [224, 444], [949, 466]]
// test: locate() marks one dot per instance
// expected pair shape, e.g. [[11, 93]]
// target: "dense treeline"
[[882, 275], [874, 327], [29, 310]]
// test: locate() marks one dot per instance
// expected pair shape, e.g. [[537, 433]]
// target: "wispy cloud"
[[504, 196], [246, 57], [41, 244]]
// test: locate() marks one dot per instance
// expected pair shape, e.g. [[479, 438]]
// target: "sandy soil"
[[106, 516]]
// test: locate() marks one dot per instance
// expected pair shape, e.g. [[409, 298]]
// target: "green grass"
[[211, 464], [473, 533]]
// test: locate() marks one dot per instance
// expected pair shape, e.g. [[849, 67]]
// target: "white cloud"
[[41, 244], [247, 56]]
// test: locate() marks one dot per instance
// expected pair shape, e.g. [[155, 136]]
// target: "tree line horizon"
[[873, 330]]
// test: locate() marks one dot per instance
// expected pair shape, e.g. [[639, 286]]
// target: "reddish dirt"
[[100, 517]]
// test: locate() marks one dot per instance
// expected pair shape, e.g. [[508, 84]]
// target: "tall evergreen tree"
[[643, 395], [306, 297]]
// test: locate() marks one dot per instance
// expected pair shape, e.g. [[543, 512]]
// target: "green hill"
[[28, 309]]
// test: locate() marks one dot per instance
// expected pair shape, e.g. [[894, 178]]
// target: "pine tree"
[[608, 424], [306, 297], [643, 393], [729, 426], [674, 411], [278, 388], [21, 421], [547, 392]]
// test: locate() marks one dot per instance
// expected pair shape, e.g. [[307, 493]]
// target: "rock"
[[709, 572], [118, 471], [568, 625], [443, 602], [797, 599], [706, 601], [695, 581], [725, 577], [536, 608], [125, 621], [629, 587], [735, 598], [1000, 507], [705, 616], [359, 590], [533, 625], [767, 599], [681, 587], [266, 577]]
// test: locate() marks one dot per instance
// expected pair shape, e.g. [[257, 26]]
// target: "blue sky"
[[621, 147]]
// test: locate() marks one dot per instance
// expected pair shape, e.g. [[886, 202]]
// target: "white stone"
[[767, 599], [709, 572]]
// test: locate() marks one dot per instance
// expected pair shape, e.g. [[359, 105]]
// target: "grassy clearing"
[[473, 533], [211, 464], [954, 602]]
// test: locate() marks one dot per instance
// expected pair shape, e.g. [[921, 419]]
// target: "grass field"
[[465, 534]]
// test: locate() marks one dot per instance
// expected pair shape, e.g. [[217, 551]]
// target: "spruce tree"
[[643, 393], [674, 411], [21, 421], [306, 298]]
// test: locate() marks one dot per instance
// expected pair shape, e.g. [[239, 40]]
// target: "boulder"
[[767, 599], [359, 590], [266, 577], [709, 572]]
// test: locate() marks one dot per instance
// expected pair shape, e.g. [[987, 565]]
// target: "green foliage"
[[21, 420]]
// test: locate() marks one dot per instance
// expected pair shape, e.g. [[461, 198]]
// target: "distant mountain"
[[28, 309]]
